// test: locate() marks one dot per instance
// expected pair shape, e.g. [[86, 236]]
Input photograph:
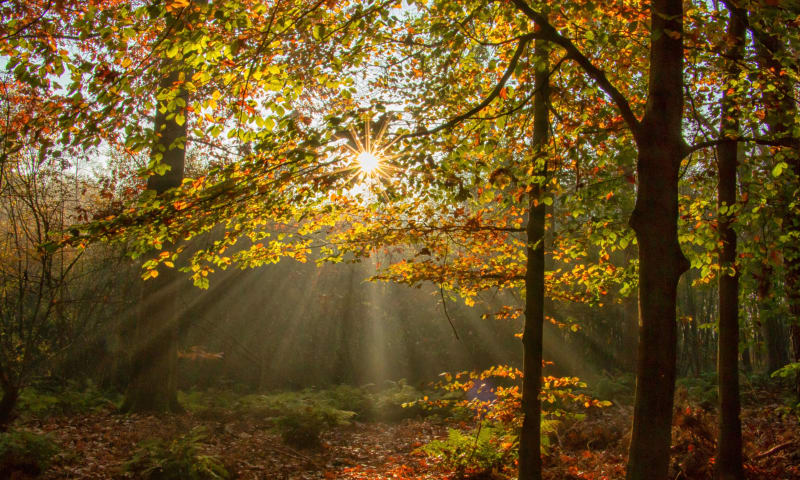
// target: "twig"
[[446, 314], [295, 454], [774, 449]]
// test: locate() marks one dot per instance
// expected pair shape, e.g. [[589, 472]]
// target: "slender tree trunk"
[[530, 460], [661, 262], [343, 371], [729, 444], [630, 332], [694, 340], [771, 327], [153, 382]]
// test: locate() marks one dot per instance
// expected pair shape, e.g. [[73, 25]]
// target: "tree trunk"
[[792, 259], [781, 109], [694, 346], [7, 405], [630, 331], [153, 382], [729, 443], [774, 340], [661, 262], [771, 327], [530, 460]]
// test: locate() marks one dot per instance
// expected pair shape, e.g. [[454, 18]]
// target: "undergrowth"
[[25, 454], [493, 398], [486, 448], [43, 400], [176, 459], [301, 417]]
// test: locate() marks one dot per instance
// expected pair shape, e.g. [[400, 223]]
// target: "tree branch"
[[547, 32], [781, 142], [512, 65]]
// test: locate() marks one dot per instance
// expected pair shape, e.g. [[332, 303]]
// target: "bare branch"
[[781, 142]]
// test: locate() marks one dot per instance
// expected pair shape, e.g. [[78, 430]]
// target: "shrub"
[[73, 398], [342, 402], [701, 389], [178, 459], [301, 430], [200, 400], [25, 452], [395, 402], [37, 403], [348, 398], [488, 448], [302, 427], [619, 388]]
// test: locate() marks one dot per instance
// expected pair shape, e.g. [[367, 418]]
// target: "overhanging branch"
[[524, 41], [547, 32], [781, 142]]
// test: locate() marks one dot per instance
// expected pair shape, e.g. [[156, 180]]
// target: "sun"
[[369, 157], [368, 162]]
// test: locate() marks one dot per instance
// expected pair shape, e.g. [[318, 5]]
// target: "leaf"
[[779, 168]]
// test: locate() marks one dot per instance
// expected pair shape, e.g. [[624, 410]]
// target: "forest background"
[[617, 181]]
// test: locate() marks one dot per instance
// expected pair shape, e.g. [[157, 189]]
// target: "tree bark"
[[661, 261], [729, 443], [530, 460], [7, 404], [153, 382]]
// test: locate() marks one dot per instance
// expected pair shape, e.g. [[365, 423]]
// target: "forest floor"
[[97, 445]]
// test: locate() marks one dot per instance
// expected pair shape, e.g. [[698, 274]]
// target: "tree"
[[729, 456], [781, 117], [47, 295], [530, 461], [153, 382]]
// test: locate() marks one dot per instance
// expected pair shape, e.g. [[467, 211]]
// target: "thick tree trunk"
[[153, 382], [661, 262], [530, 460], [792, 255], [729, 442], [7, 405]]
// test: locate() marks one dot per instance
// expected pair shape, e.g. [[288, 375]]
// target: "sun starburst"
[[369, 157]]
